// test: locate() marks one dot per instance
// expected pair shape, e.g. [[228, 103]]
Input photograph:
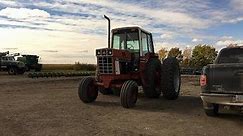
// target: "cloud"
[[166, 36], [8, 2], [234, 20], [196, 40], [236, 4], [78, 26], [51, 51], [226, 42], [23, 13]]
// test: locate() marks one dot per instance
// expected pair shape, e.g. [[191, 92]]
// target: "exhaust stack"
[[109, 31]]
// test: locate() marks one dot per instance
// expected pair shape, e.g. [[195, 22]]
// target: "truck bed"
[[225, 78]]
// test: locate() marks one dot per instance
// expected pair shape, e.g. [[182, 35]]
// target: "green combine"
[[31, 62]]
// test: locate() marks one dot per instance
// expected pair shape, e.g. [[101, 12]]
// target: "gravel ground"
[[52, 107]]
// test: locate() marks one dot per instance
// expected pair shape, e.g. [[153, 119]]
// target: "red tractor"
[[129, 62]]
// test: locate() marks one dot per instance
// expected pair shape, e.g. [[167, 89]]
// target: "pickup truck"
[[222, 82]]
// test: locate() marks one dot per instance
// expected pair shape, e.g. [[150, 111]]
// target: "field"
[[68, 67], [51, 107]]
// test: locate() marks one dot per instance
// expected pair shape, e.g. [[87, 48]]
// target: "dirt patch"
[[52, 107]]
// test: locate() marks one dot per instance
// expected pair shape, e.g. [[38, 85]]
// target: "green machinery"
[[31, 62]]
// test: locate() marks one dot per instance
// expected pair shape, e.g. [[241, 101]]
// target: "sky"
[[69, 31]]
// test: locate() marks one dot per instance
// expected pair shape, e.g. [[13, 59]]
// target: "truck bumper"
[[222, 99]]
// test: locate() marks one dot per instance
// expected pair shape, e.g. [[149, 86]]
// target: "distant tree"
[[187, 53], [174, 52], [232, 45], [203, 55], [186, 63], [162, 53]]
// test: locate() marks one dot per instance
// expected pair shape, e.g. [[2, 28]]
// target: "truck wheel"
[[12, 71], [171, 78], [152, 75], [129, 94], [87, 90], [213, 111]]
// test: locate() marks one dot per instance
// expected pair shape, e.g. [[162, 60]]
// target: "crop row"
[[59, 74]]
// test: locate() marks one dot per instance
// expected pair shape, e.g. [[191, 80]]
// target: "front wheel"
[[129, 94], [87, 90]]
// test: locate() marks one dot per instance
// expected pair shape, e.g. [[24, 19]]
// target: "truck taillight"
[[203, 80]]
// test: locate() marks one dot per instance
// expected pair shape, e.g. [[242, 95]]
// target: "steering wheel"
[[131, 47]]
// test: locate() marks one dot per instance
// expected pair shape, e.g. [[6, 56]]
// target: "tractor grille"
[[105, 64]]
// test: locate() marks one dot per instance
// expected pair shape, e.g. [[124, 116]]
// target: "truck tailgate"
[[226, 78]]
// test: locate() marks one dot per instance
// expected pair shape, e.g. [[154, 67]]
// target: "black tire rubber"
[[20, 71], [12, 71], [212, 112], [170, 78], [129, 94], [152, 88], [105, 91], [87, 90]]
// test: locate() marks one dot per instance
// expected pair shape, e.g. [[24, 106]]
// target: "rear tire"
[[129, 94], [213, 111], [12, 71], [87, 90], [171, 78], [152, 88]]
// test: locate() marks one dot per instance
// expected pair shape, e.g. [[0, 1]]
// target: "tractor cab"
[[129, 46], [134, 39]]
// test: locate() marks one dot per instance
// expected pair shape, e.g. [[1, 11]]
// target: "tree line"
[[197, 57]]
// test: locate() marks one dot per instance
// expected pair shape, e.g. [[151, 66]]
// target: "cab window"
[[144, 43], [119, 41], [133, 42], [150, 43]]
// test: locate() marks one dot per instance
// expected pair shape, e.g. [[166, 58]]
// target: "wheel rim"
[[176, 81]]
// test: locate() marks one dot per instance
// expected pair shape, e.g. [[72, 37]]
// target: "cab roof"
[[130, 27]]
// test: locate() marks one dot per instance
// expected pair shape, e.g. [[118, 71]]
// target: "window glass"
[[234, 55], [150, 43], [119, 41], [133, 42], [144, 43]]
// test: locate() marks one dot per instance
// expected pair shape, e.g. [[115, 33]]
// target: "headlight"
[[98, 52], [109, 52]]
